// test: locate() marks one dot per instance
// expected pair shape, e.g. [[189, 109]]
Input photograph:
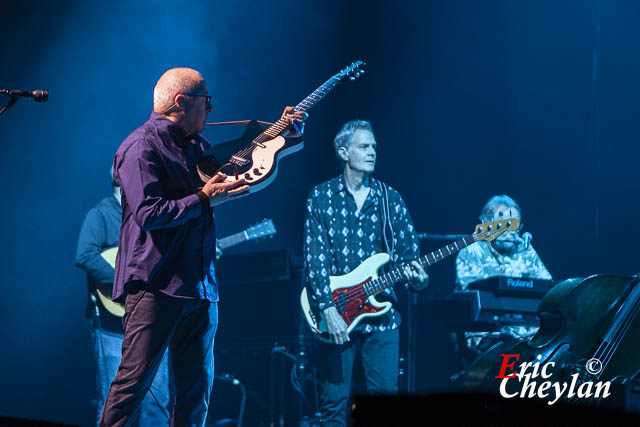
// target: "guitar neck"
[[281, 125], [234, 239], [396, 276]]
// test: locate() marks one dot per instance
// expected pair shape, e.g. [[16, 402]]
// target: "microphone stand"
[[243, 390], [12, 101], [300, 362]]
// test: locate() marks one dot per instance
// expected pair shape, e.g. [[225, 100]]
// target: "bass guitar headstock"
[[490, 231]]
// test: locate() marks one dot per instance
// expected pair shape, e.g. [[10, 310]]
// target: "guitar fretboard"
[[395, 276], [278, 127], [234, 239]]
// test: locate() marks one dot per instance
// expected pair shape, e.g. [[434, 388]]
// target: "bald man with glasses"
[[165, 273]]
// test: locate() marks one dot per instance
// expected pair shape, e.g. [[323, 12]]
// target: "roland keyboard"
[[489, 304], [521, 287]]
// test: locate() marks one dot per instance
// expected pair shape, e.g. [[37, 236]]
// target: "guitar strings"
[[315, 96], [624, 326], [355, 294], [610, 348], [282, 124]]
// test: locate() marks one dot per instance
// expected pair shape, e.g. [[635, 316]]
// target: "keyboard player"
[[510, 256]]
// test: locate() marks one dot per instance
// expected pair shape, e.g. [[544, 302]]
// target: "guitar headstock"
[[352, 71], [264, 228], [490, 231]]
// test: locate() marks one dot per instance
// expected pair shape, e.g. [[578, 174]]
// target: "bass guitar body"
[[353, 294], [348, 294]]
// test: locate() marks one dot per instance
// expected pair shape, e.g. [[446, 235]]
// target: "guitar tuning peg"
[[361, 71], [352, 78]]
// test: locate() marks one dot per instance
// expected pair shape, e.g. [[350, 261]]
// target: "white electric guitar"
[[354, 293], [264, 228], [257, 163]]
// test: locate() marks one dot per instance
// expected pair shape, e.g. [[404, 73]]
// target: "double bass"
[[588, 326]]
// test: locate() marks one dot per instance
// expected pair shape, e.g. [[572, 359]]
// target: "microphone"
[[37, 95], [526, 239]]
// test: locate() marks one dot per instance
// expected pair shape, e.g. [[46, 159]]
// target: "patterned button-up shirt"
[[480, 261], [337, 240]]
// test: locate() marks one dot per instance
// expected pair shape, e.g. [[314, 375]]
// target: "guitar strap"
[[387, 227]]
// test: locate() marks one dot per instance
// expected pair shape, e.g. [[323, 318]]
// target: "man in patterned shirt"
[[509, 256], [349, 218]]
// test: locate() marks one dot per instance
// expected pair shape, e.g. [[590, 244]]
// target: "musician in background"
[[99, 232], [349, 218], [509, 255]]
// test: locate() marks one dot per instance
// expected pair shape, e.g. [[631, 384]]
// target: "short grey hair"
[[346, 132], [493, 203], [173, 82]]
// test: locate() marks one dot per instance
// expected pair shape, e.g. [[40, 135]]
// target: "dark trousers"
[[157, 405], [153, 322], [379, 354]]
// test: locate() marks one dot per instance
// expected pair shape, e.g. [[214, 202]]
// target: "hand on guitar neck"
[[296, 121], [257, 161], [222, 187], [219, 191], [416, 275]]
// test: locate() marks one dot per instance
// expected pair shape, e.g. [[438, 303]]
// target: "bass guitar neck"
[[353, 294]]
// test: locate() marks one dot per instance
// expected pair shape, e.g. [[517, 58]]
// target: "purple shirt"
[[168, 235]]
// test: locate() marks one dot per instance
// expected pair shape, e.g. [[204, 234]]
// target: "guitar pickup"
[[239, 161]]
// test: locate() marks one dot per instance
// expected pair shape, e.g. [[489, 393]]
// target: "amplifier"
[[254, 267]]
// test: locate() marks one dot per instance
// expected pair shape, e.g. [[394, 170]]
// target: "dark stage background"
[[468, 99]]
